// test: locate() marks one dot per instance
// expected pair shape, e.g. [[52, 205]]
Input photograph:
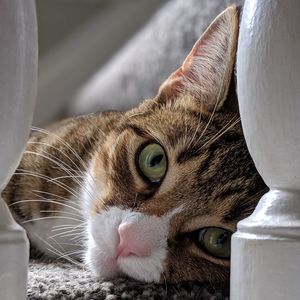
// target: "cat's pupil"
[[216, 241], [156, 160], [152, 162], [222, 239]]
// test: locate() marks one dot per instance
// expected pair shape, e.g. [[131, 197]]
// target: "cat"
[[153, 193]]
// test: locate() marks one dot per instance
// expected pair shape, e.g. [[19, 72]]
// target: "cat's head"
[[171, 181]]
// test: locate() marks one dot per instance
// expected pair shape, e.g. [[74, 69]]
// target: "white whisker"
[[60, 212], [63, 177], [63, 153], [48, 201], [59, 197], [63, 141], [51, 217], [227, 127], [55, 162], [58, 183], [57, 252], [67, 234], [67, 226], [67, 254]]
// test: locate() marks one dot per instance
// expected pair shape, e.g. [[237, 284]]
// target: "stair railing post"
[[18, 76], [265, 261]]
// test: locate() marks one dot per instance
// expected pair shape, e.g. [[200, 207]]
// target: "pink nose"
[[132, 241]]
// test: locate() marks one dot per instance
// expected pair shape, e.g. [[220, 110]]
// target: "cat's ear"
[[206, 72]]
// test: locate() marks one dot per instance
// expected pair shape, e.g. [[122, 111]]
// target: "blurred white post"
[[265, 261], [18, 74]]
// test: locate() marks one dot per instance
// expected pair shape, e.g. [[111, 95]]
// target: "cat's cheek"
[[99, 263]]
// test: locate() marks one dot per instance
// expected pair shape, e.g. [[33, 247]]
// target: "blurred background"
[[76, 37], [111, 54]]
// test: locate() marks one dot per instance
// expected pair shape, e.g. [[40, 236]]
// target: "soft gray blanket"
[[65, 281]]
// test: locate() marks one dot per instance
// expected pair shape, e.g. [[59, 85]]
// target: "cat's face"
[[173, 178]]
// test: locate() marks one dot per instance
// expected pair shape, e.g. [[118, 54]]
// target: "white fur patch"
[[89, 190], [104, 237]]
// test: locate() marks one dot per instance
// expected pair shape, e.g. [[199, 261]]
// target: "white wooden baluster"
[[265, 261], [18, 73]]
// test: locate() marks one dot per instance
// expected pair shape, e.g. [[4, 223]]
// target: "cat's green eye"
[[215, 241], [152, 162]]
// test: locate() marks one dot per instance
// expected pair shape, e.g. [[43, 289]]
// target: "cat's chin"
[[146, 269]]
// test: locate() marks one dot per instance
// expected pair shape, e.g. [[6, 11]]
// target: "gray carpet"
[[61, 280]]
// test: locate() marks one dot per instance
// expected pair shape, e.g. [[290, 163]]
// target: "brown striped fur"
[[209, 168]]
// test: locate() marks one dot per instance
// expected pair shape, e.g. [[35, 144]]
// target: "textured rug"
[[65, 281]]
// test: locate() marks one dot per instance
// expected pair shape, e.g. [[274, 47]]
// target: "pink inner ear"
[[188, 62], [175, 83], [206, 71]]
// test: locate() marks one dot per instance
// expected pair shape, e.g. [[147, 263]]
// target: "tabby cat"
[[153, 193]]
